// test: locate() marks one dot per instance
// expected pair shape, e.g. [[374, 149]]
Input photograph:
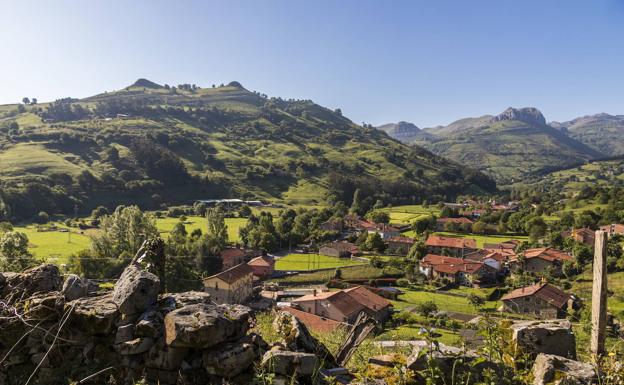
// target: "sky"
[[427, 62]]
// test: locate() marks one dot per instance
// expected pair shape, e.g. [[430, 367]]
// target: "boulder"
[[75, 287], [296, 337], [173, 301], [232, 359], [149, 324], [94, 315], [548, 337], [288, 363], [161, 356], [45, 306], [554, 370], [136, 290], [40, 279], [124, 333], [135, 346], [204, 326]]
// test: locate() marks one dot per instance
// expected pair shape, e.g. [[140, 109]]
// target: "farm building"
[[456, 247], [232, 256], [345, 305], [234, 285], [262, 266], [340, 249], [460, 271], [583, 235], [542, 300], [539, 260], [400, 245], [614, 228]]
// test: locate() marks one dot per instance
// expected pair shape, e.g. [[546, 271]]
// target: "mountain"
[[404, 131], [159, 145], [602, 132], [509, 146]]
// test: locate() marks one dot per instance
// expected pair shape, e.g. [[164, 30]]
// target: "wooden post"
[[599, 296]]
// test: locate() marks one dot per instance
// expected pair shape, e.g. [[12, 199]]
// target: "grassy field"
[[53, 246], [414, 332], [165, 225], [353, 272], [582, 287], [411, 298], [407, 214], [312, 262], [481, 239]]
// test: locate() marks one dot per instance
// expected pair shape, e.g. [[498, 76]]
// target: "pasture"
[[303, 262]]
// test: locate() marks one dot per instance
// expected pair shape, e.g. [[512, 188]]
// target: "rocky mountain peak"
[[529, 115]]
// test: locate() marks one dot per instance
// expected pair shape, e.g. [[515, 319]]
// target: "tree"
[[375, 242], [356, 205], [426, 308], [244, 211], [423, 224], [417, 251], [99, 212], [43, 217], [123, 232], [217, 229], [33, 101], [25, 100], [14, 255], [476, 300], [378, 216], [479, 227]]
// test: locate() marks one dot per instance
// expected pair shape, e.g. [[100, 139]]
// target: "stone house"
[[494, 259], [542, 300], [614, 228], [262, 266], [345, 305], [232, 256], [453, 246], [340, 249], [583, 235], [332, 225], [460, 271], [539, 260], [400, 245], [384, 230], [234, 285]]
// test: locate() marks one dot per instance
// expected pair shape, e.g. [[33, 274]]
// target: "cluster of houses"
[[588, 236]]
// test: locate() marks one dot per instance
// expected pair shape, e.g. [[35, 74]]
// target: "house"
[[400, 245], [354, 222], [345, 305], [614, 228], [340, 249], [332, 225], [385, 231], [314, 322], [507, 247], [542, 300], [459, 224], [457, 270], [494, 259], [539, 260], [453, 246], [234, 285], [583, 235], [262, 266], [232, 256]]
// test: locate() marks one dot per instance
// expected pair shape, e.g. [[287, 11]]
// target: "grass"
[[353, 272], [302, 262], [582, 287], [53, 245], [413, 332], [34, 159], [408, 213], [165, 225], [482, 239], [411, 298]]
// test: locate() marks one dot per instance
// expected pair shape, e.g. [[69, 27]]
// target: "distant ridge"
[[146, 84]]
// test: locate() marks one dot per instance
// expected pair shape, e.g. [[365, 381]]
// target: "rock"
[[296, 337], [173, 301], [161, 356], [45, 305], [530, 115], [548, 337], [135, 346], [149, 324], [554, 370], [94, 315], [231, 359], [74, 288], [289, 363], [124, 333], [136, 290], [204, 326], [40, 279], [388, 360]]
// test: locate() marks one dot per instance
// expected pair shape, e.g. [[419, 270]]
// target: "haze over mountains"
[[152, 143], [518, 143]]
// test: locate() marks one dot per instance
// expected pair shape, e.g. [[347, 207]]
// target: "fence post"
[[599, 296]]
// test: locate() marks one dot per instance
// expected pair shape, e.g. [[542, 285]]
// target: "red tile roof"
[[451, 265], [406, 240], [483, 254], [262, 261], [367, 298], [349, 301], [232, 253], [544, 291], [314, 322], [614, 228], [547, 254], [233, 274], [342, 246], [451, 242]]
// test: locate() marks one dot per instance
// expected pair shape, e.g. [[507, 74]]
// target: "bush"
[[426, 308], [43, 217], [402, 282]]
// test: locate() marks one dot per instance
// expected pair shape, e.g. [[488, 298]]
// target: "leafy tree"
[[479, 227], [417, 251], [583, 254], [375, 242], [426, 308], [25, 100], [423, 224], [244, 211], [99, 212], [217, 228], [476, 300], [378, 216], [14, 255], [43, 217], [356, 205], [123, 232]]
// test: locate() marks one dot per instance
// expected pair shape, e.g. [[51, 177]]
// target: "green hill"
[[510, 146], [152, 145], [602, 132]]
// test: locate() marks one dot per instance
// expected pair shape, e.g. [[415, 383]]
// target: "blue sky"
[[380, 61]]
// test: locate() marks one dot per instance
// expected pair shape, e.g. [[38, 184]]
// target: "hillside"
[[510, 146], [602, 132], [153, 144], [404, 131]]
